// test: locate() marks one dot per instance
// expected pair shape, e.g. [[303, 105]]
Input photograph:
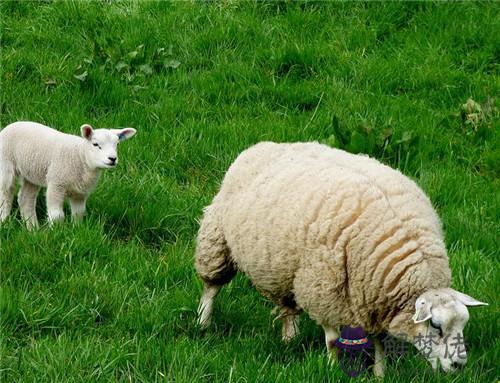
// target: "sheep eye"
[[437, 327], [96, 145]]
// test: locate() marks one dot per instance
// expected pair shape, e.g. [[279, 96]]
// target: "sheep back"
[[350, 238]]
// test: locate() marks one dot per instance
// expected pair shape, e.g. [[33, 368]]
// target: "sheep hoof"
[[203, 324], [31, 226], [287, 338], [378, 371]]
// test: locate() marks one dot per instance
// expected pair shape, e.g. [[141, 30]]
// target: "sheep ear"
[[422, 311], [87, 131], [126, 133], [466, 299]]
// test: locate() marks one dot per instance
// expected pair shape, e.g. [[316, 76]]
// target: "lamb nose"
[[112, 159]]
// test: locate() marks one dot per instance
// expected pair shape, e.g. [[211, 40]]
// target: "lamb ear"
[[422, 311], [125, 134], [466, 299], [87, 131]]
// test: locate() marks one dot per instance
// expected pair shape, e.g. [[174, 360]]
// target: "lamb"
[[67, 165], [342, 237]]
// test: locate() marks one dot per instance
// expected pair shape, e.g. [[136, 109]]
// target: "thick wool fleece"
[[351, 241]]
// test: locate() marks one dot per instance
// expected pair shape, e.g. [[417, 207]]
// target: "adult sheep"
[[67, 165], [340, 236]]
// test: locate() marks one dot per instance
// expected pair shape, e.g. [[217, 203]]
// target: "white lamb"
[[67, 165], [342, 237]]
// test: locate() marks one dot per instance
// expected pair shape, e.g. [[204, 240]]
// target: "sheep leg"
[[27, 203], [55, 201], [379, 366], [7, 188], [331, 334], [206, 305], [78, 208], [212, 262], [290, 327]]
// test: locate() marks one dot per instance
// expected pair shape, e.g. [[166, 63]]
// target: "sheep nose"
[[457, 365], [112, 159]]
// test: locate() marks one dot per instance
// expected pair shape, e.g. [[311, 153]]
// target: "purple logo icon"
[[353, 355]]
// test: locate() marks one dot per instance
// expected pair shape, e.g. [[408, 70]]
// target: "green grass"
[[114, 298]]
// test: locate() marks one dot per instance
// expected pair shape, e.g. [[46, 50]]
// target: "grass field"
[[114, 299]]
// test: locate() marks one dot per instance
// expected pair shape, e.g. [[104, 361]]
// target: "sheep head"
[[435, 326]]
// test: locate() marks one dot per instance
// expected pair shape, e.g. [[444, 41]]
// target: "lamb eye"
[[96, 145]]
